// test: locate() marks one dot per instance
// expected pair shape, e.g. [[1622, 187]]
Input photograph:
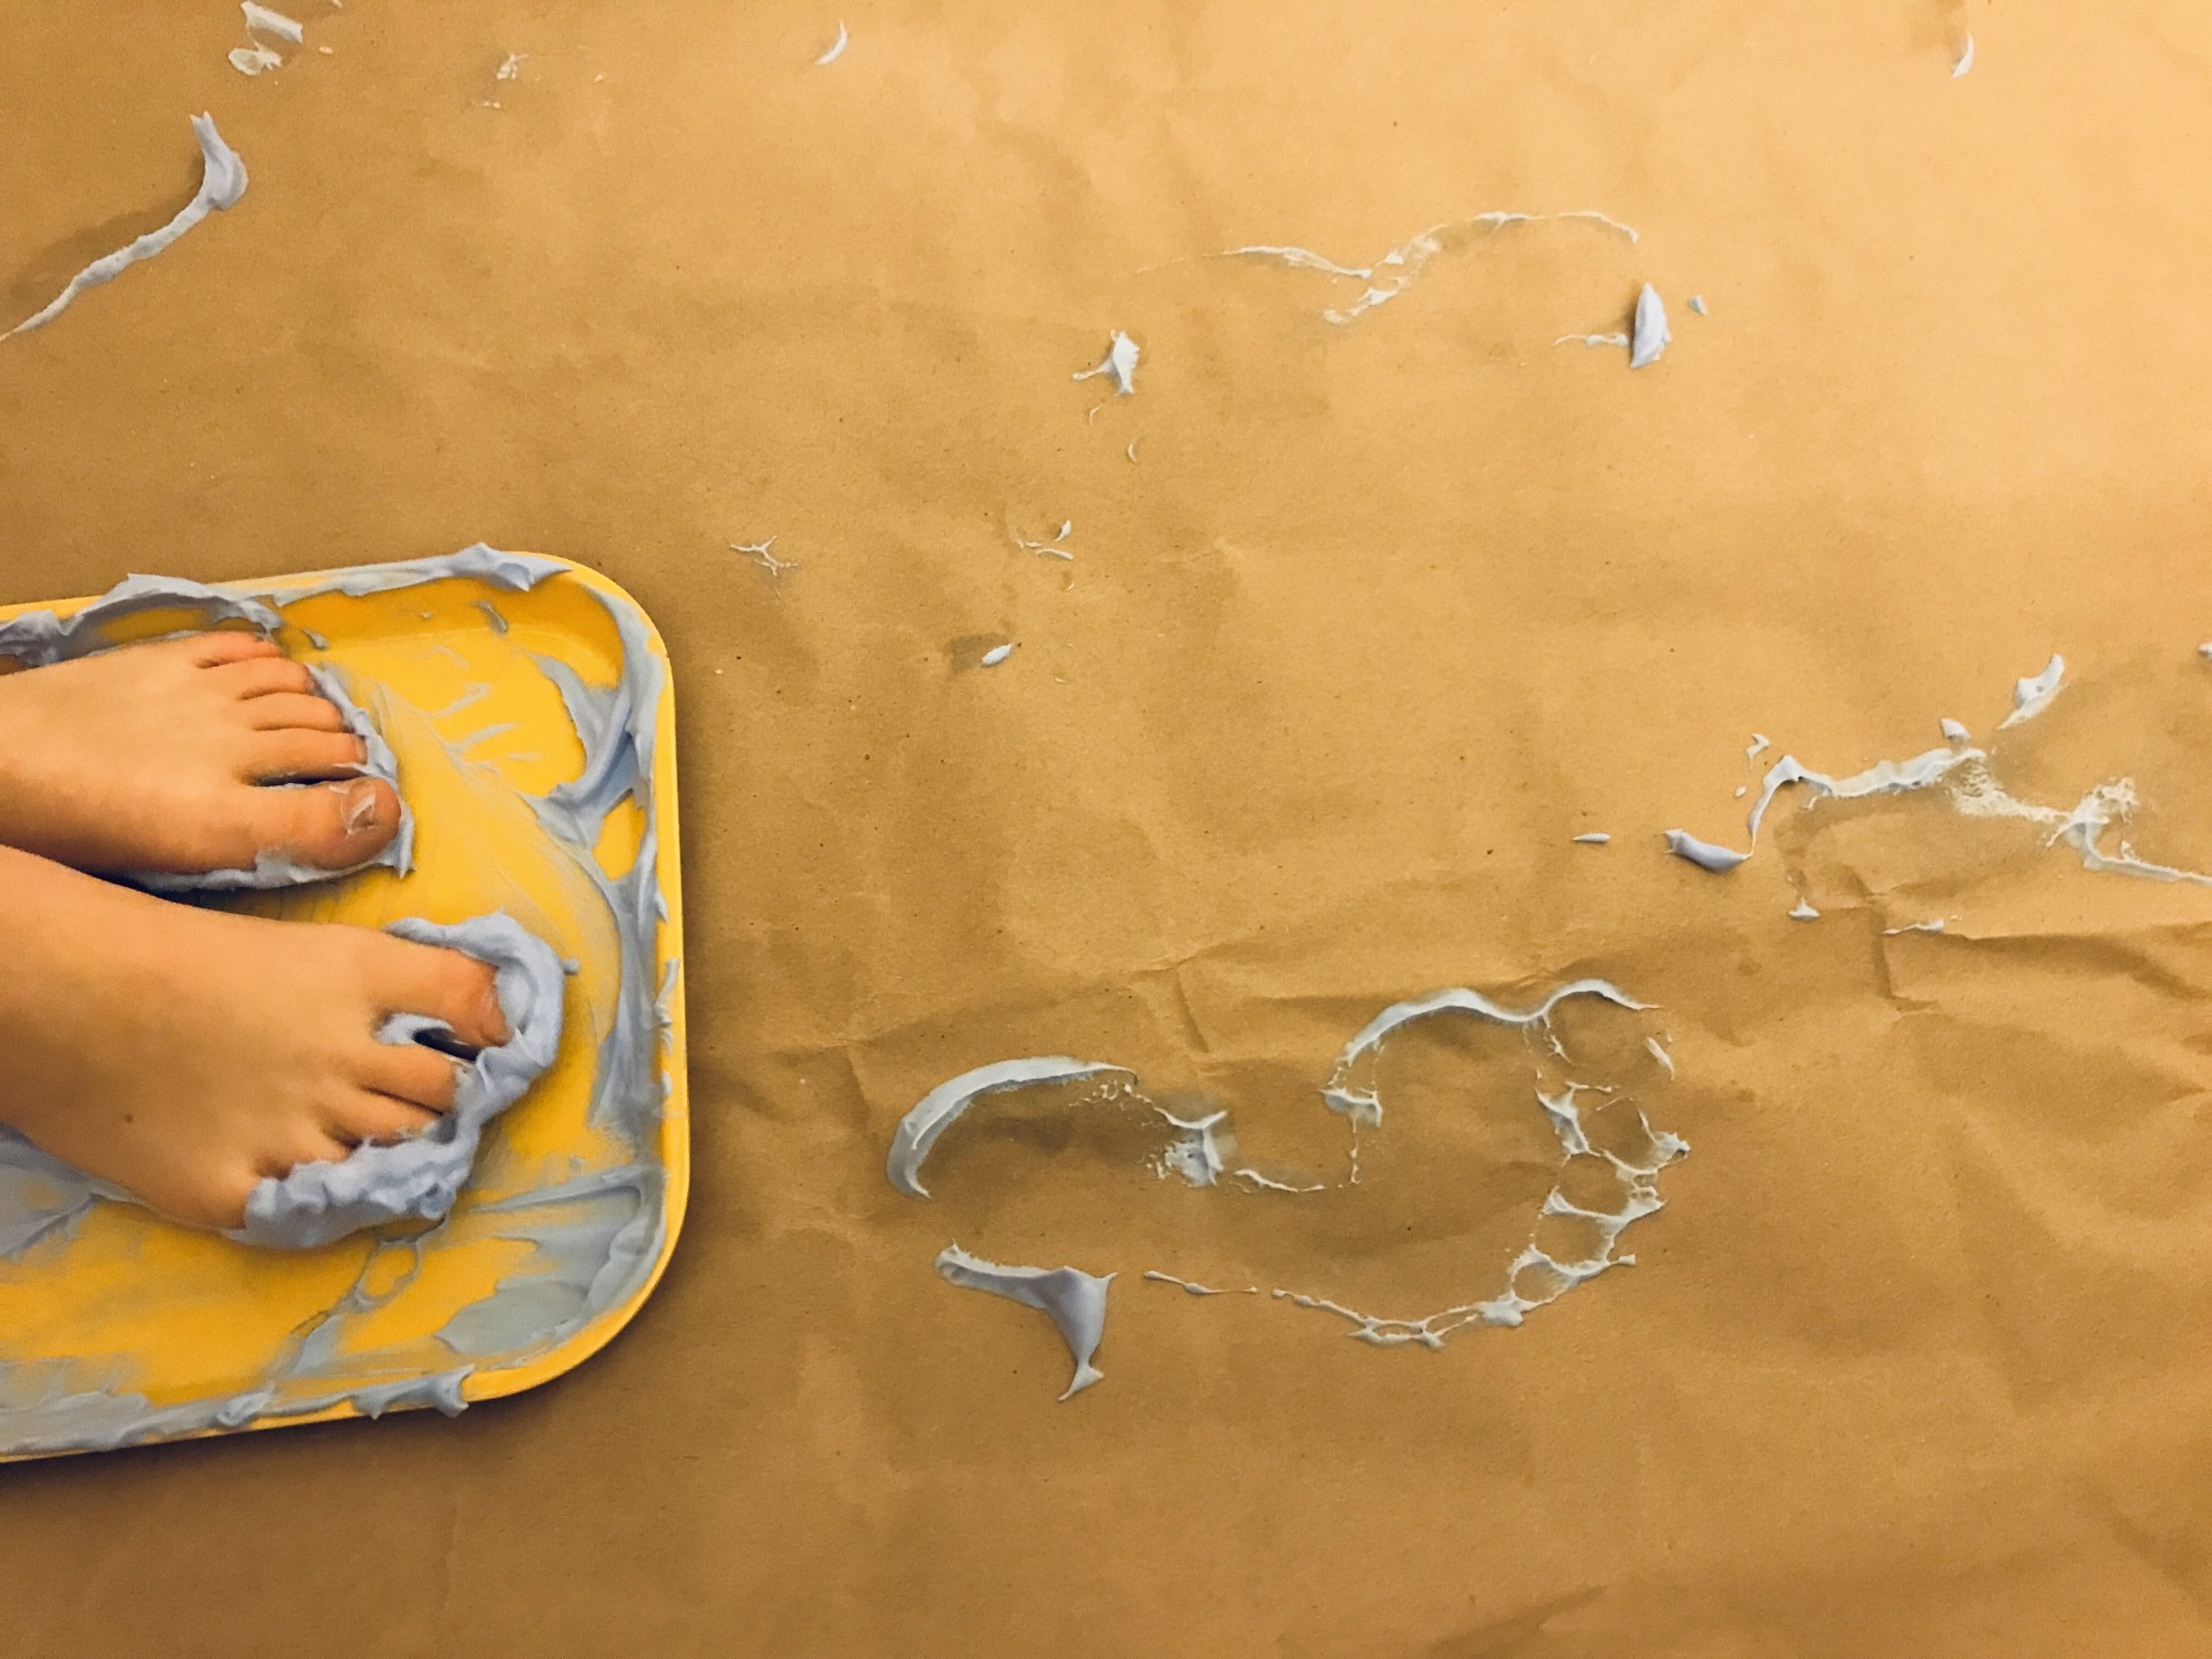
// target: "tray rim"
[[675, 1147]]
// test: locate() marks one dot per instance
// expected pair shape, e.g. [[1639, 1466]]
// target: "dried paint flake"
[[1965, 63], [222, 181], [1697, 303], [837, 47], [1594, 838], [997, 655]]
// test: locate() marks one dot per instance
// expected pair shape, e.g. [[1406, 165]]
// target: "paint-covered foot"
[[158, 757], [185, 1054]]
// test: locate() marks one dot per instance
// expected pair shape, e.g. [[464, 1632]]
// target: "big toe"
[[329, 826]]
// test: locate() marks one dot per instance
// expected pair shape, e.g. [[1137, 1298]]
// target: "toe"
[[299, 1143], [267, 674], [446, 985], [225, 645], [327, 826], [214, 1198], [408, 1072], [281, 756], [291, 711], [366, 1116]]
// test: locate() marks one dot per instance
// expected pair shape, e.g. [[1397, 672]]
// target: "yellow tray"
[[123, 1328]]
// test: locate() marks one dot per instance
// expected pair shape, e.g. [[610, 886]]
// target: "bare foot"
[[183, 1054], [151, 758]]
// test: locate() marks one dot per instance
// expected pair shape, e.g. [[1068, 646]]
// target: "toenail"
[[361, 807]]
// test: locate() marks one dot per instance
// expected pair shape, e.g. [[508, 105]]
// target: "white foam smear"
[[510, 67], [1594, 838], [2205, 651], [1590, 340], [1965, 63], [1298, 259], [997, 655], [1935, 926], [1533, 1278], [941, 1108], [261, 20], [2031, 697], [257, 57], [222, 181], [837, 47], [1955, 731], [1759, 745], [1119, 365], [2081, 828], [1074, 1300], [761, 553], [1651, 334], [1057, 548], [1363, 1105], [1398, 269], [1196, 1155], [1970, 790], [1705, 855], [1884, 778], [1269, 1184], [1191, 1286]]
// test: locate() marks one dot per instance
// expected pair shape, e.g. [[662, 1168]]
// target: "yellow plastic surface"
[[180, 1315]]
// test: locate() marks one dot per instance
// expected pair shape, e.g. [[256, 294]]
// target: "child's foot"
[[150, 758], [184, 1053]]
